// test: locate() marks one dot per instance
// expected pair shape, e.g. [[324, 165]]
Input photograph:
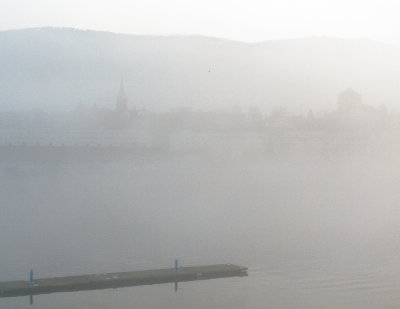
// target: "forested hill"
[[56, 68]]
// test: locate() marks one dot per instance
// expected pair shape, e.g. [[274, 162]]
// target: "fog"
[[314, 218], [290, 168], [252, 20], [56, 69]]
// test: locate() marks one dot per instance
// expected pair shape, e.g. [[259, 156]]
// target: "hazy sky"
[[250, 20]]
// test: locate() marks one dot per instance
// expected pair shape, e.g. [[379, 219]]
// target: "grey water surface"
[[314, 232]]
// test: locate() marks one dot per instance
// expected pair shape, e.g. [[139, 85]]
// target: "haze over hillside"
[[55, 69]]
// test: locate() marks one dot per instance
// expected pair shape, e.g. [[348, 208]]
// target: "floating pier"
[[117, 280]]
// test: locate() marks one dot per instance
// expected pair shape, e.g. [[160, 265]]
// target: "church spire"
[[122, 100]]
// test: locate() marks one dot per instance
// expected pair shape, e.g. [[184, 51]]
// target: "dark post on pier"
[[121, 279]]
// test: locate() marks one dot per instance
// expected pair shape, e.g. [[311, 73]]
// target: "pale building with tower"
[[349, 102]]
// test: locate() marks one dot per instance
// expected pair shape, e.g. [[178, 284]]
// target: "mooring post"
[[176, 265], [31, 277]]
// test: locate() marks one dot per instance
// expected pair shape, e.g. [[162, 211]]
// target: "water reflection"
[[323, 231]]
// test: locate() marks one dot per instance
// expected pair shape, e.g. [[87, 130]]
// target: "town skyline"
[[161, 73]]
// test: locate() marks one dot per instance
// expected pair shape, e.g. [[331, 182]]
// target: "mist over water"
[[210, 152], [317, 232]]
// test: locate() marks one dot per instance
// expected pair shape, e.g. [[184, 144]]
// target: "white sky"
[[250, 20]]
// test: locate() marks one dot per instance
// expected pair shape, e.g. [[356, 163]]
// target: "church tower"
[[121, 100]]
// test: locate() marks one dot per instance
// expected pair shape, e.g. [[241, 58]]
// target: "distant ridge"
[[198, 36], [55, 68]]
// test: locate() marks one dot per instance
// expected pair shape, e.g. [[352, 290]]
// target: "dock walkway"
[[121, 279]]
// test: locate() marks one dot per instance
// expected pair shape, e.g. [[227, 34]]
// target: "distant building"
[[356, 115], [121, 117], [349, 102], [122, 102]]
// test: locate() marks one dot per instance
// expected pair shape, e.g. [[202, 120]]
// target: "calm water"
[[321, 233]]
